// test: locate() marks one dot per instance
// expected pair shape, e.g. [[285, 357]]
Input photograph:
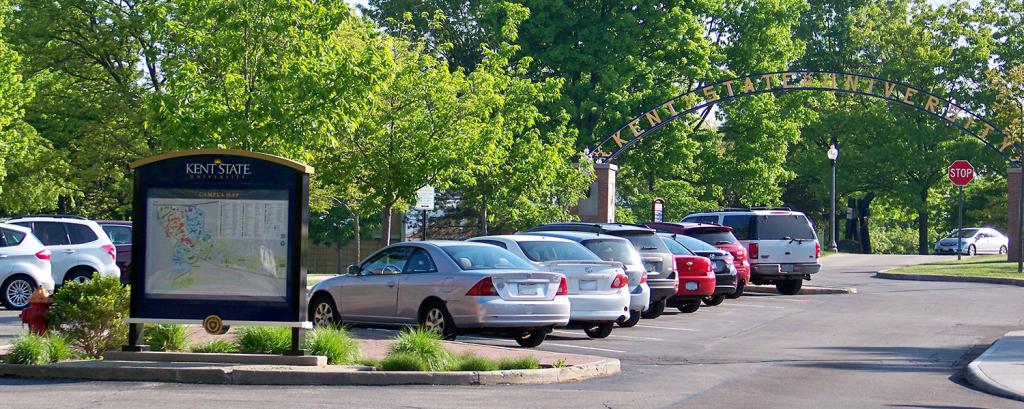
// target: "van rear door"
[[785, 238]]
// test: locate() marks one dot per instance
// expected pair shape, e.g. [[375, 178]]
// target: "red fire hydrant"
[[35, 314]]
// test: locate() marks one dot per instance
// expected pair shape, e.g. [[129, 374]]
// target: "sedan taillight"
[[44, 254], [110, 249], [483, 288], [620, 281], [643, 278], [563, 287]]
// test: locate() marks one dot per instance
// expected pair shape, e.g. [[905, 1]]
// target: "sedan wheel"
[[16, 292], [634, 318], [739, 291], [714, 300], [531, 338], [655, 311], [437, 319], [1002, 249], [599, 330], [324, 313], [690, 307]]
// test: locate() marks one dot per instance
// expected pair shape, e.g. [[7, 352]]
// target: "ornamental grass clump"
[[217, 346], [167, 337], [264, 340], [32, 349], [470, 362], [425, 344], [334, 343], [403, 361], [526, 362]]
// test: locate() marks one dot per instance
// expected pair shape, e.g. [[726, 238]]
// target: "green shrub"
[[403, 361], [334, 343], [58, 348], [426, 344], [366, 361], [29, 349], [92, 315], [167, 337], [526, 362], [470, 362], [264, 340], [217, 346], [893, 240]]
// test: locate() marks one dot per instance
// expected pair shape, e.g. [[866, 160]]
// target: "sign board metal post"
[[424, 202], [960, 173], [219, 238]]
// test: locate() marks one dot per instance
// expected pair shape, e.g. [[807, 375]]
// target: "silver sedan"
[[452, 287]]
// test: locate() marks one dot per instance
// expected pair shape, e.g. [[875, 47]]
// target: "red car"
[[696, 277], [718, 236], [120, 233]]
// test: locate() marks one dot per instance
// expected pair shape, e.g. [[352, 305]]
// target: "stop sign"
[[961, 173]]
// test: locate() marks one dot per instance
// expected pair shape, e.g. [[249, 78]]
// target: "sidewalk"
[[1000, 370]]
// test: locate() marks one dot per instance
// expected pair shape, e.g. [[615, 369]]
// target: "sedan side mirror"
[[353, 270]]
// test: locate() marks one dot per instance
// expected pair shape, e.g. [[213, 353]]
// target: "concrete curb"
[[954, 279], [805, 290], [241, 359], [270, 375], [977, 377]]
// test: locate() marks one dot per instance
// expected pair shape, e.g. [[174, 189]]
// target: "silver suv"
[[79, 246], [782, 246]]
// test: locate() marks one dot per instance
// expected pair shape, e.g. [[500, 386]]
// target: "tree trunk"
[[385, 226], [483, 214], [359, 240], [337, 258], [922, 224]]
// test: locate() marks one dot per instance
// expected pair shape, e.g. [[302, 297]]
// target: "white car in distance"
[[598, 290], [24, 265]]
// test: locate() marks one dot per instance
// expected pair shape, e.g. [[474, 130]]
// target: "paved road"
[[895, 344]]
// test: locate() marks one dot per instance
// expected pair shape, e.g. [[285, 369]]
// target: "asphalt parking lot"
[[894, 344]]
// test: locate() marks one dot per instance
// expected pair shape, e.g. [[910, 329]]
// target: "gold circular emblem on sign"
[[213, 325]]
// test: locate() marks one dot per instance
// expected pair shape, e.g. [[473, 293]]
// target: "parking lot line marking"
[[612, 336], [582, 347], [751, 306], [670, 328]]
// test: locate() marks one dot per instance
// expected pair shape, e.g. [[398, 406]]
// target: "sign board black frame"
[[221, 175]]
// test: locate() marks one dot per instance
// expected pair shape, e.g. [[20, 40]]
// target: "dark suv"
[[120, 233], [658, 261]]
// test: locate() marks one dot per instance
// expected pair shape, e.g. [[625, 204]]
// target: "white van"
[[782, 245]]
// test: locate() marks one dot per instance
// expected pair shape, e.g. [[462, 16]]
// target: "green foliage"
[[526, 362], [167, 337], [424, 344], [264, 340], [470, 362], [217, 346], [367, 361], [404, 361], [560, 363], [894, 240], [334, 343], [91, 315], [29, 349]]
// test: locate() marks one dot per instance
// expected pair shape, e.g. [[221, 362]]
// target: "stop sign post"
[[961, 173]]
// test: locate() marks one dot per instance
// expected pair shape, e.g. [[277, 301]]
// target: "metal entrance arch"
[[600, 204]]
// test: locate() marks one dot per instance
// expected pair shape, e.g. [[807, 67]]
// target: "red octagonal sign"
[[961, 173]]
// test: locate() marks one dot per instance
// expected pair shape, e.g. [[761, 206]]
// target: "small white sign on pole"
[[425, 198]]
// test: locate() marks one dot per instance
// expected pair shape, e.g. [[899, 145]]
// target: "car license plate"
[[588, 285], [528, 289], [650, 267]]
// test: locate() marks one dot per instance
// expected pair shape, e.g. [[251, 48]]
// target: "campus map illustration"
[[214, 245]]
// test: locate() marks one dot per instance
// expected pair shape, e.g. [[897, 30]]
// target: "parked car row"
[[50, 250], [590, 276]]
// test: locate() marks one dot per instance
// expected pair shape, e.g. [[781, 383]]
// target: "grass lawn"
[[977, 266]]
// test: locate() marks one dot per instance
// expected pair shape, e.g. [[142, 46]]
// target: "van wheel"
[[789, 287], [714, 300], [531, 338], [690, 307], [742, 285], [655, 311], [634, 318], [16, 291], [599, 330], [435, 317]]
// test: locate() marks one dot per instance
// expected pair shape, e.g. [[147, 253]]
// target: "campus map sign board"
[[219, 238]]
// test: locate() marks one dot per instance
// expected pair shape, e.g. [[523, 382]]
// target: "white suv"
[[79, 246], [781, 243], [24, 265]]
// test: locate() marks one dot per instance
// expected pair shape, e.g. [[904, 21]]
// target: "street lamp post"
[[833, 154]]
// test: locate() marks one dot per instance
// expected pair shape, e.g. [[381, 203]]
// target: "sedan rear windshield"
[[486, 258], [613, 250], [645, 241], [676, 248], [541, 251], [714, 237], [784, 227], [695, 244]]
